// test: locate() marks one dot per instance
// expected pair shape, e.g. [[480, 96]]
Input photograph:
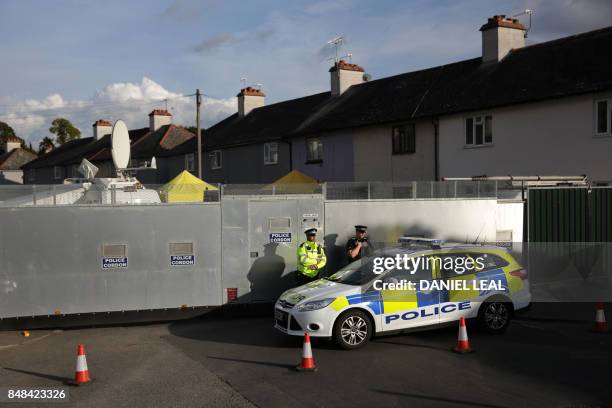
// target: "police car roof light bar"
[[429, 242]]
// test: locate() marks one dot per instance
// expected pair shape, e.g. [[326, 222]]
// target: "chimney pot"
[[500, 35], [343, 75], [12, 143], [159, 118], [102, 128], [250, 98]]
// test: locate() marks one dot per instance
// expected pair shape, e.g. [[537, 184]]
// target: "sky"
[[119, 59]]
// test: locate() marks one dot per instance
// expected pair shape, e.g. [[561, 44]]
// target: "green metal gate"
[[570, 214]]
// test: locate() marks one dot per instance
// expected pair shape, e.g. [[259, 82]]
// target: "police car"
[[359, 301]]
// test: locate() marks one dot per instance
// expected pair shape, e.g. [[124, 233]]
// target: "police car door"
[[457, 302], [407, 308]]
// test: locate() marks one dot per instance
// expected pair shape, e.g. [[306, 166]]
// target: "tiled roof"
[[161, 142], [564, 67], [16, 158], [144, 145], [265, 123]]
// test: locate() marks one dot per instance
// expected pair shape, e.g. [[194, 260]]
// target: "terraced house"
[[12, 157], [158, 140], [515, 109]]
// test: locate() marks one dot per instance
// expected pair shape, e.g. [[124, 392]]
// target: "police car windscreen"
[[356, 273]]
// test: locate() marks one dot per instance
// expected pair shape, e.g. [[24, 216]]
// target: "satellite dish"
[[120, 145], [87, 169]]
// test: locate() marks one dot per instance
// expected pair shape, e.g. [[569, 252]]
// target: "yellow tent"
[[185, 188], [294, 182]]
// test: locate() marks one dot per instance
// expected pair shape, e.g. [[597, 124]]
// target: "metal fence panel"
[[51, 259], [570, 214], [260, 239]]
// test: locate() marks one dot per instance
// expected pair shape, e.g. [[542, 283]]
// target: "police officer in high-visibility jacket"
[[311, 258]]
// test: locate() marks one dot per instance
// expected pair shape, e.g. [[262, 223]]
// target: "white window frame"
[[190, 162], [216, 160], [407, 145], [319, 142], [269, 148], [608, 131], [58, 172], [483, 120]]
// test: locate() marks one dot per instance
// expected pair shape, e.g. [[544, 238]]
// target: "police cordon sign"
[[280, 237], [179, 260], [111, 263]]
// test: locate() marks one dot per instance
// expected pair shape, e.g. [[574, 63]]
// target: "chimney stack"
[[12, 143], [344, 75], [159, 118], [500, 35], [102, 128], [250, 98]]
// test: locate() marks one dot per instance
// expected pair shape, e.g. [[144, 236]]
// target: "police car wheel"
[[352, 330], [495, 316]]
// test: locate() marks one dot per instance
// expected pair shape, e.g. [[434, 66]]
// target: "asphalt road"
[[541, 361]]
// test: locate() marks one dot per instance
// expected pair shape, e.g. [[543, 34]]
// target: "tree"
[[64, 130], [29, 147], [5, 131], [45, 144]]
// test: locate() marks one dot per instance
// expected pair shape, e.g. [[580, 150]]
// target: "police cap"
[[310, 231], [361, 228]]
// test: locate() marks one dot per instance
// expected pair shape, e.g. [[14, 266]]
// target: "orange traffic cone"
[[308, 363], [463, 344], [600, 320], [81, 375]]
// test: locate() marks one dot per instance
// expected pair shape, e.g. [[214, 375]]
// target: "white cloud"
[[128, 101]]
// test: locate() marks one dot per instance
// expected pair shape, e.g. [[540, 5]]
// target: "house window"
[[58, 172], [190, 162], [215, 160], [271, 153], [403, 139], [314, 150], [479, 130], [603, 117]]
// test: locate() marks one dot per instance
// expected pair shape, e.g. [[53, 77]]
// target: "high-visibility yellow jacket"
[[310, 253]]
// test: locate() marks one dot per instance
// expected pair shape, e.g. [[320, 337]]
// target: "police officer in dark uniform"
[[358, 246]]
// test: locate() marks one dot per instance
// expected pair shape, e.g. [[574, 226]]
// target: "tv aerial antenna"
[[244, 82], [337, 43], [526, 12]]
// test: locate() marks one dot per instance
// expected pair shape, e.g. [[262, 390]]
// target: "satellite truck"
[[123, 189]]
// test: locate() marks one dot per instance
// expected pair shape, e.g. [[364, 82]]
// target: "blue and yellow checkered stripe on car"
[[390, 301], [387, 301]]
